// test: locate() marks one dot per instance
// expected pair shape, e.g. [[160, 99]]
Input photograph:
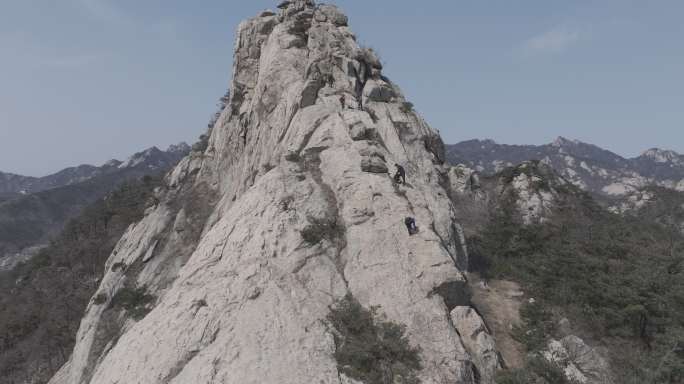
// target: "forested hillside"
[[42, 300], [615, 280]]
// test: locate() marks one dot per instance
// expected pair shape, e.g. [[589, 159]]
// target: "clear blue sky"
[[83, 81]]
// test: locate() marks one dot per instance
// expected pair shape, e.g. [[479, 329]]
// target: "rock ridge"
[[288, 209]]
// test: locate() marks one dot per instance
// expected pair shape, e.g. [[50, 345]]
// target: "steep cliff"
[[230, 277]]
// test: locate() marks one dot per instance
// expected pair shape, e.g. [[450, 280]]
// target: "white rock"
[[478, 341], [241, 297], [579, 361]]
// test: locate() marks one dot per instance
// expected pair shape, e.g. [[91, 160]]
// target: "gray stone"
[[310, 92], [332, 14], [373, 164], [478, 341], [361, 126], [580, 362], [378, 90]]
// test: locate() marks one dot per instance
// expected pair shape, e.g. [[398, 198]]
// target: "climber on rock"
[[343, 101], [411, 225], [400, 175]]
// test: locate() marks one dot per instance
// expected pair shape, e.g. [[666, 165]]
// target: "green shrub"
[[320, 229], [370, 350], [48, 294], [41, 260], [538, 326], [406, 107], [370, 57], [100, 299], [119, 266], [134, 301], [202, 144], [537, 370]]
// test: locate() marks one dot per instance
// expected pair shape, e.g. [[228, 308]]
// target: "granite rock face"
[[289, 209], [478, 341]]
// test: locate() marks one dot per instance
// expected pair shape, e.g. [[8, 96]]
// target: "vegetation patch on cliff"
[[370, 349], [42, 300], [135, 301]]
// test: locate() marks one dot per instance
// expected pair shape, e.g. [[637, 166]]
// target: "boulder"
[[372, 159], [478, 341], [580, 362], [378, 90], [328, 12], [360, 125]]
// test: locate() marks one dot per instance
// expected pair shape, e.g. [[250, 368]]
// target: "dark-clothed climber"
[[400, 175], [411, 225]]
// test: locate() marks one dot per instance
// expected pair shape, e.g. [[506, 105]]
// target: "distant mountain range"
[[12, 185], [33, 209], [587, 166]]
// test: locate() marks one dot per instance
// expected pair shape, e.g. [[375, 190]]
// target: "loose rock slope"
[[289, 209]]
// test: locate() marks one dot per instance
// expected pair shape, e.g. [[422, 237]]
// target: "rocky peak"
[[582, 151], [662, 156], [534, 186], [290, 208], [563, 142], [112, 163], [153, 157], [140, 157]]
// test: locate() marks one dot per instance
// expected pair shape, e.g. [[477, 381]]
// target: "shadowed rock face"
[[289, 208]]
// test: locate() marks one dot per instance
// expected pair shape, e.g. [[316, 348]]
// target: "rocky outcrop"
[[463, 180], [655, 204], [478, 341], [289, 208], [580, 362], [533, 188]]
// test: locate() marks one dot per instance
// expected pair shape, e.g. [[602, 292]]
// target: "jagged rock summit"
[[231, 274]]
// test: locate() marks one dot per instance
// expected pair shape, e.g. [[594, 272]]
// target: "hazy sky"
[[83, 81]]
